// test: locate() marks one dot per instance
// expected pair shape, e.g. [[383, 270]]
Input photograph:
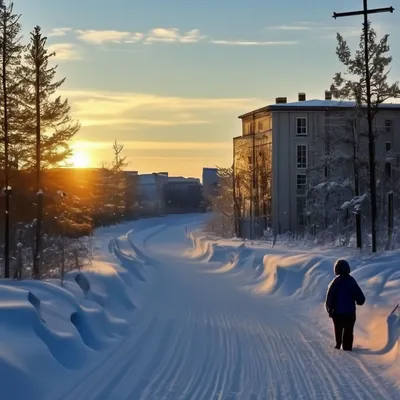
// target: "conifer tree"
[[353, 86], [48, 121], [10, 53]]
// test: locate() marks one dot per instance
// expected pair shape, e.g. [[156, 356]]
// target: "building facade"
[[210, 181], [284, 149]]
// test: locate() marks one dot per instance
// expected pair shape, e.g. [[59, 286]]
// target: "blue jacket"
[[343, 292]]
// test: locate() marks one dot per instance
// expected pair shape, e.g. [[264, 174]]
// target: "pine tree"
[[10, 53], [355, 87], [49, 121]]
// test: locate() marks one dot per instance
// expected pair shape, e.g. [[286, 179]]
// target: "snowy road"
[[203, 335]]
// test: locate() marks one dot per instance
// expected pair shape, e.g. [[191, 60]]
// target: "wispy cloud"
[[174, 35], [132, 109], [59, 32], [352, 32], [253, 43], [159, 35], [300, 27], [325, 31], [142, 145], [170, 35], [65, 51], [137, 121], [100, 37]]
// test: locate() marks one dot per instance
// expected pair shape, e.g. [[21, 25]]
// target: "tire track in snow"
[[236, 374], [225, 360], [157, 360], [211, 367], [100, 374], [351, 365], [170, 370], [199, 337], [203, 333]]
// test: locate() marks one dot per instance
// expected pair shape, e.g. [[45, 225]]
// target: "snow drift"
[[303, 275], [49, 330]]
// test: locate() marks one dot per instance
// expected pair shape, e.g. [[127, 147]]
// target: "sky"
[[168, 78]]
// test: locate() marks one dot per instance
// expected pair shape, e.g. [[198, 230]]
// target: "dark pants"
[[344, 327]]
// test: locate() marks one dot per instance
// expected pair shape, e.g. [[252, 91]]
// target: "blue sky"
[[168, 78]]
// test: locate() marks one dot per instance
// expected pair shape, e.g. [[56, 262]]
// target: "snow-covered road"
[[203, 335]]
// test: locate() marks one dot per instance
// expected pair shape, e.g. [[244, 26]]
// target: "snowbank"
[[304, 274], [49, 331]]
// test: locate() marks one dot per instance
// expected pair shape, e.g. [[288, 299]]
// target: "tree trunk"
[[6, 161], [39, 193], [357, 188]]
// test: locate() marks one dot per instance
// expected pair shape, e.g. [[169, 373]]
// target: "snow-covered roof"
[[317, 105]]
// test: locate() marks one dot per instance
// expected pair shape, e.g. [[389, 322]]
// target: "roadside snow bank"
[[304, 274], [48, 331]]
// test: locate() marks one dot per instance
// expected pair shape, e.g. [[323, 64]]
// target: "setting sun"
[[80, 159]]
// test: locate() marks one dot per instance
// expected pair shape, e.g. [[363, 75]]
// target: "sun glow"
[[80, 159]]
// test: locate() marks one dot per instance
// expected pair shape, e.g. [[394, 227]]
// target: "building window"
[[388, 146], [249, 128], [301, 184], [260, 126], [388, 125], [388, 169], [301, 156], [301, 126]]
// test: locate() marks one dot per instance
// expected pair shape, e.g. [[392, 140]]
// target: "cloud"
[[163, 35], [101, 37], [59, 32], [159, 35], [65, 51], [252, 43], [111, 109], [173, 35], [166, 35], [137, 121], [352, 32], [141, 145], [291, 27], [326, 31]]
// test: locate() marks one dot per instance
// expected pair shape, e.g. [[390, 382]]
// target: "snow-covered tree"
[[222, 204], [337, 173], [48, 121], [10, 115], [353, 85]]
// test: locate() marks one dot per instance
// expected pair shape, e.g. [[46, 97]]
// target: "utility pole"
[[253, 178], [371, 139]]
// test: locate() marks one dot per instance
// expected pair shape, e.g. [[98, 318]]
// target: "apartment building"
[[285, 141]]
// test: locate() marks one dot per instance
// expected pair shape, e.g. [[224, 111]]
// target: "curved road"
[[202, 335]]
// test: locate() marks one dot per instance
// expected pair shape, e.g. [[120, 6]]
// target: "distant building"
[[150, 191], [210, 181], [158, 193], [282, 143], [183, 195]]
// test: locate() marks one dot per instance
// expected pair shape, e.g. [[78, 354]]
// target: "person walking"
[[342, 296]]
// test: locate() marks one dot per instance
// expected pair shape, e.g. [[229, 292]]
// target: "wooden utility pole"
[[371, 139]]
